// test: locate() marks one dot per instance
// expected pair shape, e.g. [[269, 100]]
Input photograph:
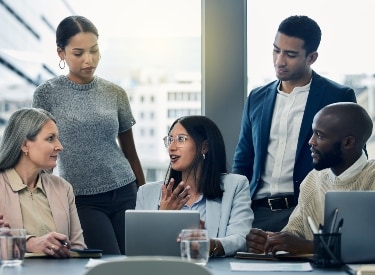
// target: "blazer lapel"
[[213, 214], [313, 105], [266, 120], [60, 213]]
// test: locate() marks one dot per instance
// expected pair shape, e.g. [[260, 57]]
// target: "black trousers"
[[269, 220], [102, 218]]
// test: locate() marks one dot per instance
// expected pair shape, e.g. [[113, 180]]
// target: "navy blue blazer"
[[250, 154]]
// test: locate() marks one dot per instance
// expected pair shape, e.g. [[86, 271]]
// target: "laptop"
[[356, 208], [154, 232]]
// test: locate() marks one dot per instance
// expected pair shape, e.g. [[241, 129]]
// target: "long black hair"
[[212, 166]]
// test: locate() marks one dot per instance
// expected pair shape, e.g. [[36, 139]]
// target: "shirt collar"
[[352, 170], [296, 90], [199, 200], [16, 182]]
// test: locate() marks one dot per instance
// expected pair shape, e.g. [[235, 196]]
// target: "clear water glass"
[[12, 246], [195, 246]]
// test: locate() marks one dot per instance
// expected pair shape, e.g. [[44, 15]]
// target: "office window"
[[345, 53], [152, 48]]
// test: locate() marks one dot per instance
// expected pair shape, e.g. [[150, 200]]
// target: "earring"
[[26, 154], [63, 64], [204, 156]]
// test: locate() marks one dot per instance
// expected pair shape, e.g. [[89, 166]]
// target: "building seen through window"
[[345, 51], [140, 50], [152, 48]]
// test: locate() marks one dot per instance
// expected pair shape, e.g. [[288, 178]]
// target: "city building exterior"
[[155, 107], [28, 57], [27, 49]]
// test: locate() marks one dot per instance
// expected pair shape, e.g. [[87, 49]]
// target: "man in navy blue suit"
[[273, 150]]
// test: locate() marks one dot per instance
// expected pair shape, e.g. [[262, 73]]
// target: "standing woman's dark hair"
[[24, 124], [213, 164], [95, 123], [72, 25]]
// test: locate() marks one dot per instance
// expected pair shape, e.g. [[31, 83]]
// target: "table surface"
[[77, 266]]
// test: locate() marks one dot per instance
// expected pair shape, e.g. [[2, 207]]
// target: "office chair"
[[148, 265]]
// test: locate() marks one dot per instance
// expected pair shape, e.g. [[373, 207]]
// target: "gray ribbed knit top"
[[89, 118]]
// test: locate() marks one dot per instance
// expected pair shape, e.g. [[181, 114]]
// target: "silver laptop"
[[356, 208], [154, 232]]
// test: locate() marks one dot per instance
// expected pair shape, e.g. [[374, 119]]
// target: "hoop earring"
[[62, 66], [203, 156]]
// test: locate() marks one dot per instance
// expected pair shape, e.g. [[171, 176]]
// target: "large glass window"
[[345, 52], [151, 48]]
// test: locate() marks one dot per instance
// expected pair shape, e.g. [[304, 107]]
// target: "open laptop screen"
[[357, 209], [154, 232]]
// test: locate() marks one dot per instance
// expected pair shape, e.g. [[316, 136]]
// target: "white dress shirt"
[[285, 127]]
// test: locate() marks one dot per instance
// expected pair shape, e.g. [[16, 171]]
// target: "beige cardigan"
[[312, 196], [61, 199]]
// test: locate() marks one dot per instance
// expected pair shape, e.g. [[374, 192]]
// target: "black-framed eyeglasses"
[[179, 140]]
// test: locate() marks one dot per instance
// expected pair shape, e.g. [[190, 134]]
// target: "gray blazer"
[[228, 219]]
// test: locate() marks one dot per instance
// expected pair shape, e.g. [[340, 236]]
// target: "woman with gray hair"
[[40, 202]]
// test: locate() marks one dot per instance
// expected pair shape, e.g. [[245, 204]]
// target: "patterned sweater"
[[89, 118], [312, 196]]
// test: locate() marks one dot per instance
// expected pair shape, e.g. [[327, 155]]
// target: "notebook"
[[358, 230], [154, 232]]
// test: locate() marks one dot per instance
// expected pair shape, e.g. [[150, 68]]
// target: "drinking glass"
[[195, 246], [12, 246]]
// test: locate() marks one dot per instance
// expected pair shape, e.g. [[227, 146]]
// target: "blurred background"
[[152, 48]]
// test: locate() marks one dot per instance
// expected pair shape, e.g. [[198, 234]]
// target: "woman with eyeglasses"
[[197, 179]]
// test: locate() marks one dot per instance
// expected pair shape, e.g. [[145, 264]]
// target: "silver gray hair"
[[24, 124]]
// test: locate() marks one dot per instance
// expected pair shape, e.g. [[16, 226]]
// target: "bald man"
[[340, 131]]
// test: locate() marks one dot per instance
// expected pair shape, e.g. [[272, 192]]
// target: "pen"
[[339, 226], [64, 243], [328, 250], [312, 225], [333, 223], [320, 231], [334, 220]]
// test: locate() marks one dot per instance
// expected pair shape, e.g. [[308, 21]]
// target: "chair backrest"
[[147, 266]]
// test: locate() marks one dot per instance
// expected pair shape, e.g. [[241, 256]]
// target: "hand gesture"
[[174, 199]]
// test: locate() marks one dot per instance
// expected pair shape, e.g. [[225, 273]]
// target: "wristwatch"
[[215, 250]]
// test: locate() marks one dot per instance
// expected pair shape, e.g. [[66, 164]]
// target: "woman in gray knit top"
[[92, 115]]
